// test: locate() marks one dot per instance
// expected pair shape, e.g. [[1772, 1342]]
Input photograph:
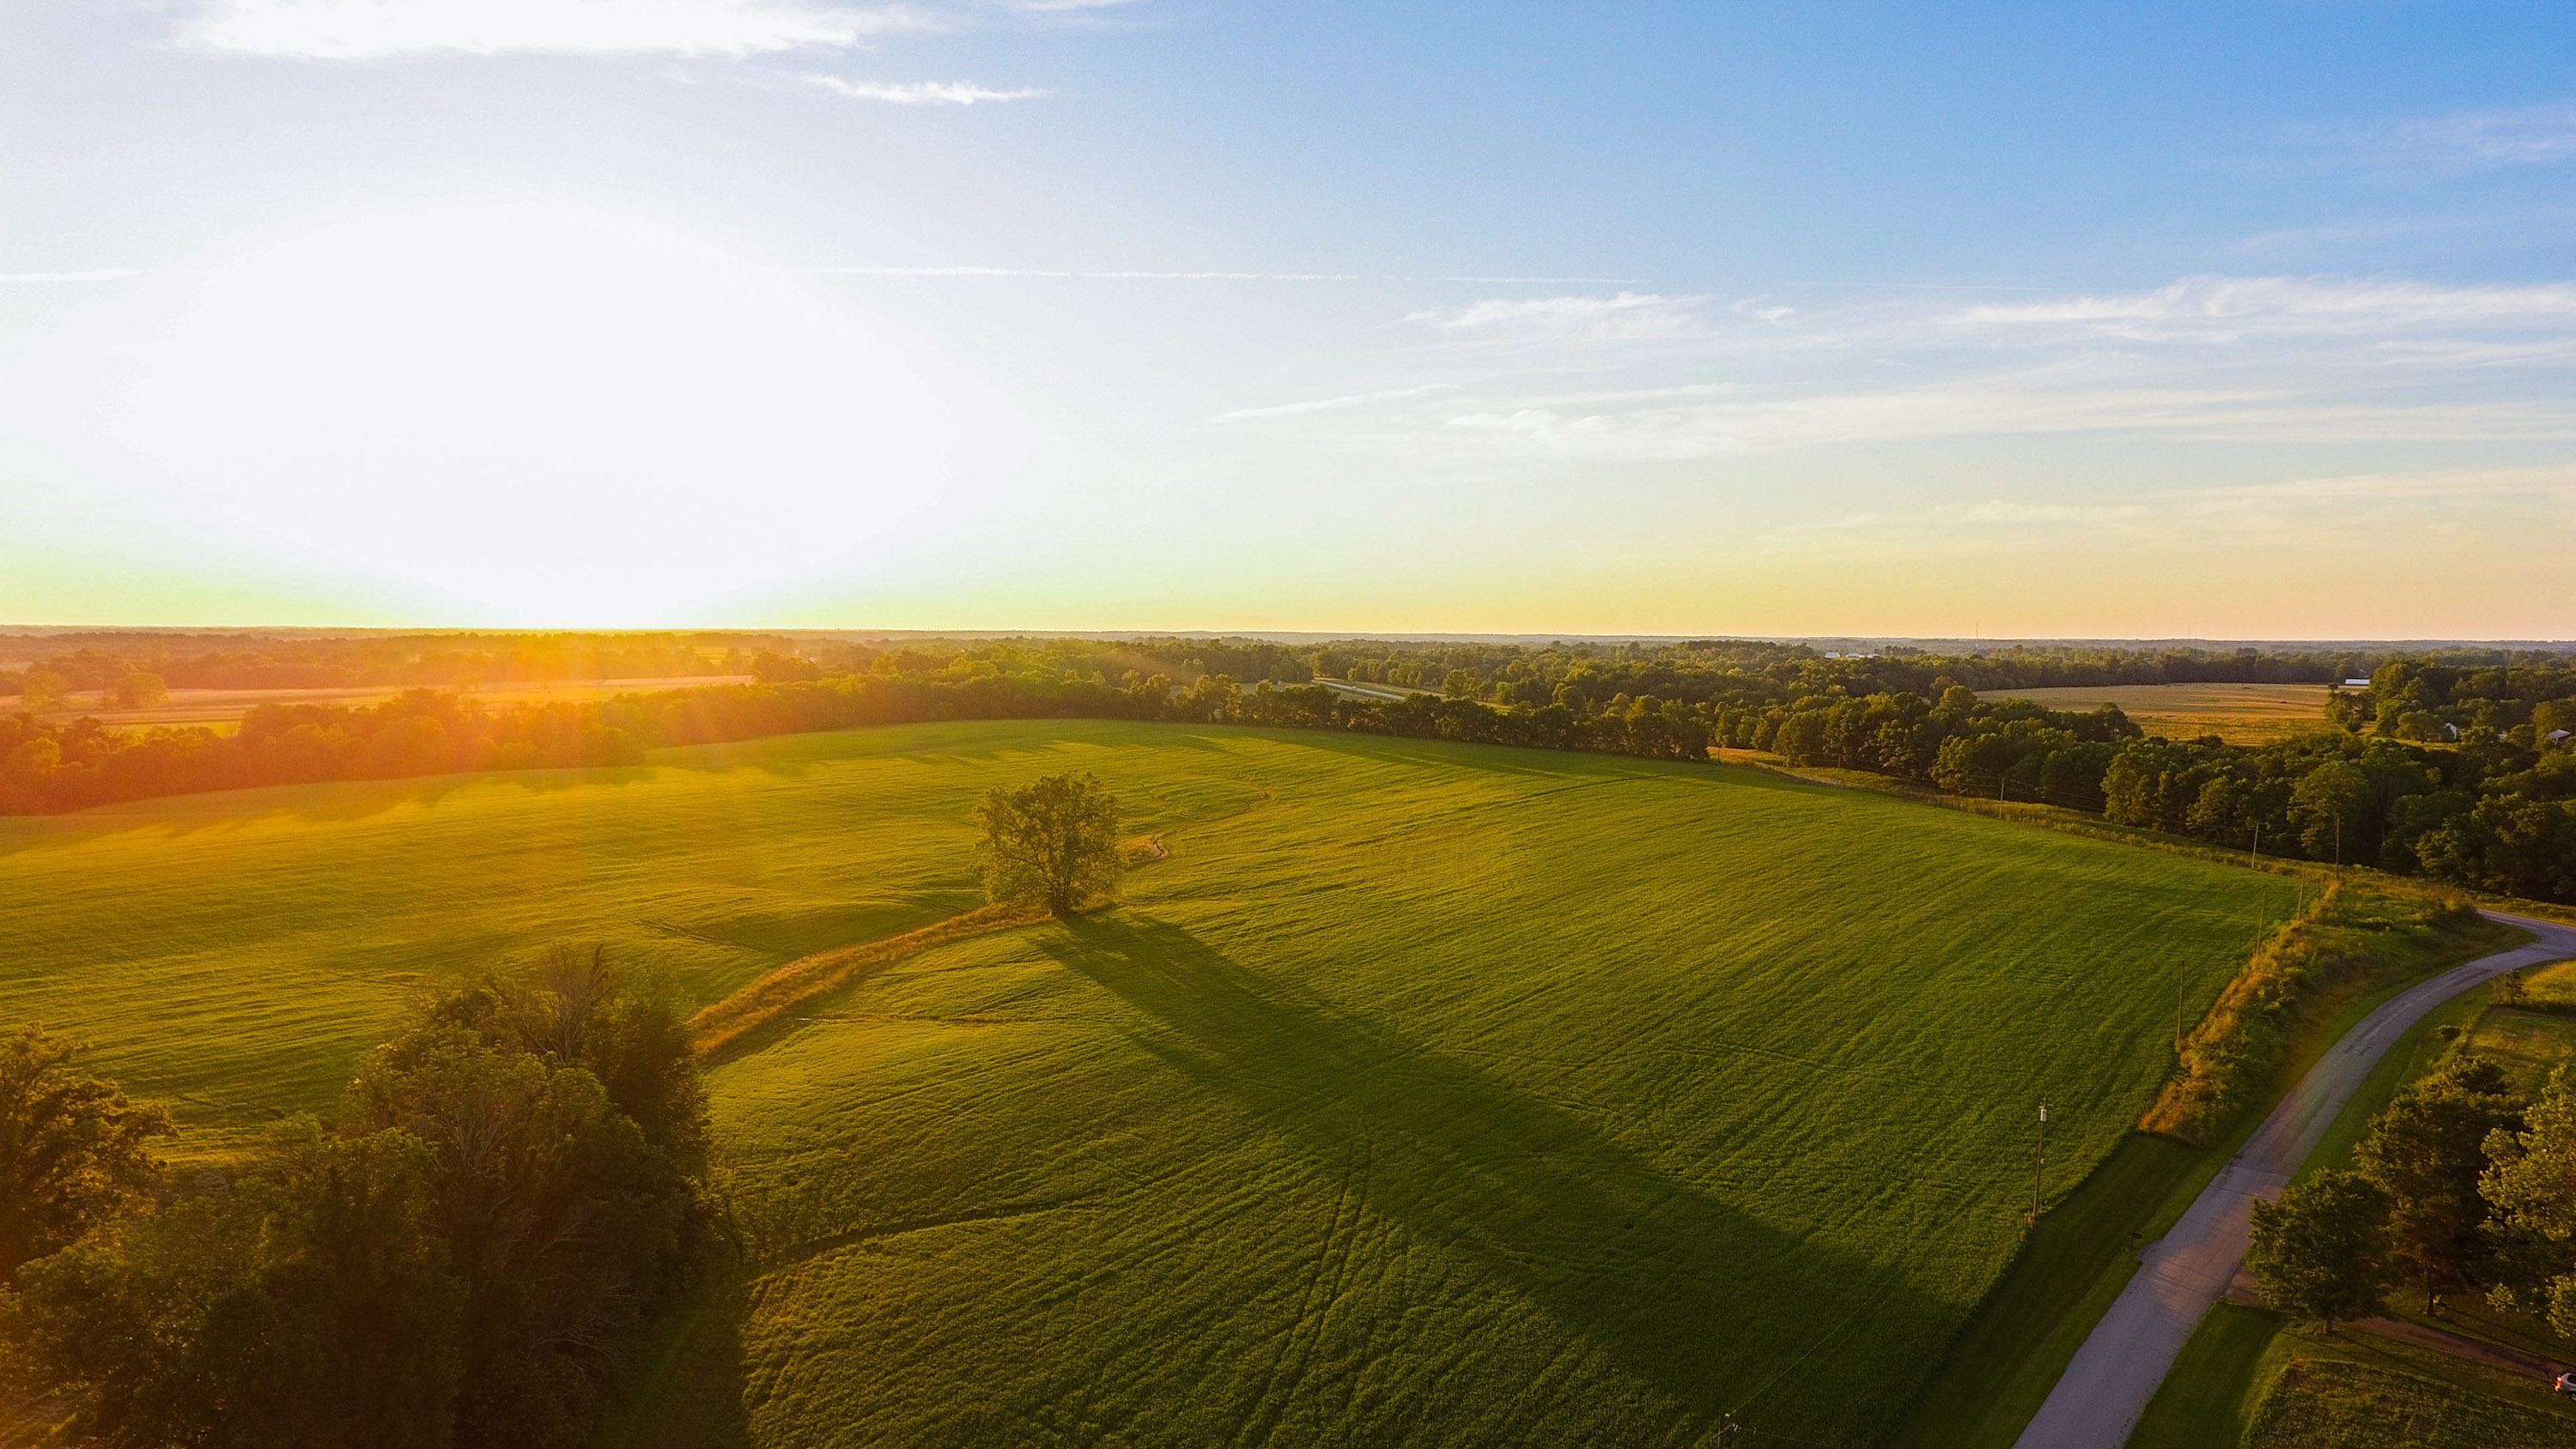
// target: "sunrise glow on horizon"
[[2178, 323]]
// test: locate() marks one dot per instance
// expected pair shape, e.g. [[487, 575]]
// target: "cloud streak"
[[94, 274], [2206, 358], [1627, 316], [2474, 140], [918, 93], [1332, 404], [1179, 276], [363, 30]]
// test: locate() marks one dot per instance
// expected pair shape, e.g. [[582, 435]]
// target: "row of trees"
[[2494, 814], [460, 1256], [65, 767], [2495, 811], [47, 767], [92, 664], [2460, 1187], [1963, 743]]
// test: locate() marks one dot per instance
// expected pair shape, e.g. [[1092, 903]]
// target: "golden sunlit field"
[[1428, 1093], [2243, 714]]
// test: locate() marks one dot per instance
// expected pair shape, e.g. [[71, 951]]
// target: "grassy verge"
[[1999, 1369], [2342, 945], [2210, 1394], [2250, 1377], [2233, 1383], [2077, 1259]]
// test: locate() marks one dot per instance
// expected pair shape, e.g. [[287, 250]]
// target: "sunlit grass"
[[1427, 1093]]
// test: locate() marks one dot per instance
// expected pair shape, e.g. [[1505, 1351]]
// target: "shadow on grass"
[[689, 1383], [1708, 1305], [2009, 1354]]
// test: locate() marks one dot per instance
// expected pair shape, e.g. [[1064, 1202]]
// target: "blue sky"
[[2231, 321]]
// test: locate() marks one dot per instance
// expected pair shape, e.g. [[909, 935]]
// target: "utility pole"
[[2258, 840], [1727, 1433], [2039, 1170], [2338, 842]]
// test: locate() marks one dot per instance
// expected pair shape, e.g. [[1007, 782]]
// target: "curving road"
[[2104, 1390]]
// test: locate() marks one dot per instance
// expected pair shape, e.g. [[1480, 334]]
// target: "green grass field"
[[1426, 1093]]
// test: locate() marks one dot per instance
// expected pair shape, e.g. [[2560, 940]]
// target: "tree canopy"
[[2321, 1251], [1052, 842], [72, 1148]]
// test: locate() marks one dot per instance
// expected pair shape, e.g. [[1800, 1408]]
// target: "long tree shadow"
[[1685, 1291]]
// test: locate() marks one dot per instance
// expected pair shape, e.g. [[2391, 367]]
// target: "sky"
[[2243, 320]]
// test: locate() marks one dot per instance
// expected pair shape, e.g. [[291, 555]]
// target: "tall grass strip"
[[720, 1029], [2339, 944]]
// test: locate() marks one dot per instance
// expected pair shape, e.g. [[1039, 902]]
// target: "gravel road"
[[2104, 1390]]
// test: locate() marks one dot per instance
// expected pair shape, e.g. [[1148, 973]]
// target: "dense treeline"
[[78, 664], [47, 767], [461, 1257], [69, 766], [2491, 806], [2464, 775], [2463, 1185], [71, 669]]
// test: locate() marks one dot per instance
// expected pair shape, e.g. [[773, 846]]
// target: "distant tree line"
[[2443, 765], [461, 1256], [2462, 775], [50, 767], [71, 666]]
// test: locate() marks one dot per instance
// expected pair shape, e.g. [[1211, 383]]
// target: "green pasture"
[[1428, 1094]]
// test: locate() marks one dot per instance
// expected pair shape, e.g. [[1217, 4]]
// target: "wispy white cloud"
[[918, 93], [2003, 408], [2270, 359], [1625, 316], [2227, 309], [354, 30], [1330, 404], [2302, 512], [95, 274], [1180, 276], [2460, 140], [1094, 276]]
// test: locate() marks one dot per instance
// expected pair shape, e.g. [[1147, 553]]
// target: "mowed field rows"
[[1425, 1094]]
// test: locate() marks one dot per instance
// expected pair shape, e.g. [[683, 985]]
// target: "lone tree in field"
[[1054, 841]]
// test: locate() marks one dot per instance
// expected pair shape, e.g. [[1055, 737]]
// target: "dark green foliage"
[[458, 1260], [309, 1309], [630, 1031], [2322, 1251], [2531, 1181], [72, 1148], [2427, 1150], [562, 1222], [1054, 842]]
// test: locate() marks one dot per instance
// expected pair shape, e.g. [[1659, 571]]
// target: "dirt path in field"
[[2104, 1390], [724, 1028], [2240, 1289]]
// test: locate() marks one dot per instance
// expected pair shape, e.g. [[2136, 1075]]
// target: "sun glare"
[[548, 415]]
